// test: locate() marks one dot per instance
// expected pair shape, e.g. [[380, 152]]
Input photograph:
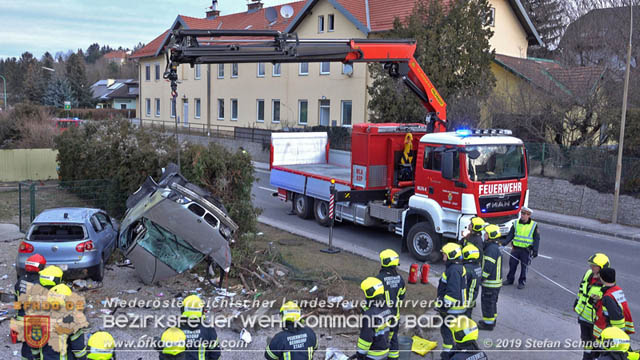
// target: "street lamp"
[[4, 82]]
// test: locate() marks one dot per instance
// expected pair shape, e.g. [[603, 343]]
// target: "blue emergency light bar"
[[482, 132]]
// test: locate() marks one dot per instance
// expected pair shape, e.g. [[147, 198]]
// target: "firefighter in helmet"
[[373, 342], [465, 335], [34, 264], [101, 346], [295, 341], [452, 292], [617, 345], [172, 344], [473, 268], [195, 330], [394, 291], [491, 278], [590, 290], [50, 276]]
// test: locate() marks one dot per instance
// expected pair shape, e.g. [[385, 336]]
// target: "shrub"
[[26, 126]]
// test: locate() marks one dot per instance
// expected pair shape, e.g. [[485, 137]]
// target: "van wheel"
[[321, 212], [303, 206], [424, 243]]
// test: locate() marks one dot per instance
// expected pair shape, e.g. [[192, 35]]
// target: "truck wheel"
[[424, 242], [321, 212], [303, 206]]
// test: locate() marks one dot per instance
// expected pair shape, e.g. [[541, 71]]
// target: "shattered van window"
[[168, 248]]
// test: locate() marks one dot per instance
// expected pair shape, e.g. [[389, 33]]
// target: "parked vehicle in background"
[[78, 240], [64, 124], [172, 225]]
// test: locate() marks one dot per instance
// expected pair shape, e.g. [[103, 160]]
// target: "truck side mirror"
[[447, 164]]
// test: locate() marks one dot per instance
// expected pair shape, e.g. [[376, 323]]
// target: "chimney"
[[213, 11], [254, 5]]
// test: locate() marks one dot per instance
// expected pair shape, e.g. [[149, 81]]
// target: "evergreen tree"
[[454, 51], [76, 75], [93, 53], [59, 91], [33, 85], [548, 17]]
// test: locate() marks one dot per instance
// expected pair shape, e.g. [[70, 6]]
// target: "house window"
[[276, 69], [198, 72], [324, 111], [325, 68], [303, 111], [492, 17], [330, 22], [173, 108], [260, 110], [260, 69], [147, 103], [220, 109], [321, 23], [275, 111], [157, 107], [147, 72], [303, 69], [345, 114], [220, 71], [234, 109], [234, 70], [157, 71], [197, 101]]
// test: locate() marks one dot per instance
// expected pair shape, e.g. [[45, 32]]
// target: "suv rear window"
[[56, 232]]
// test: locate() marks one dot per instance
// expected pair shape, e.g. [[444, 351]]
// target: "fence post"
[[32, 201], [20, 206]]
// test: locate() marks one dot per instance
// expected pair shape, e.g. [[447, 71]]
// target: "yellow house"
[[271, 96]]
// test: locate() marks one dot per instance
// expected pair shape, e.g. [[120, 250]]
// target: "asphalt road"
[[563, 255]]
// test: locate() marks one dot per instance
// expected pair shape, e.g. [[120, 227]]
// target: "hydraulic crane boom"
[[248, 46]]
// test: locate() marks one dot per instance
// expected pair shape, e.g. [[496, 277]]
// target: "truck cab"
[[459, 175]]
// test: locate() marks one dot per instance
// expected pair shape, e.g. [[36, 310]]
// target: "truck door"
[[429, 180]]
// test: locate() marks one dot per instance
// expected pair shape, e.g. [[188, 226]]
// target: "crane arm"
[[250, 46]]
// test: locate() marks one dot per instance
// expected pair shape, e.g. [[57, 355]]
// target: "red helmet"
[[35, 263]]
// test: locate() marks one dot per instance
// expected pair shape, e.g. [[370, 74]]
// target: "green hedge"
[[126, 155]]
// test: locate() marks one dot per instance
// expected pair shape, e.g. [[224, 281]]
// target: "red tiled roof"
[[240, 21], [118, 54], [552, 77], [382, 14], [151, 48]]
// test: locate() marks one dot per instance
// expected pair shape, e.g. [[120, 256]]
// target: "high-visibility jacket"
[[452, 288], [492, 266], [202, 342], [474, 277], [617, 355], [612, 310], [373, 341], [76, 349], [523, 234], [295, 342], [394, 288], [590, 286]]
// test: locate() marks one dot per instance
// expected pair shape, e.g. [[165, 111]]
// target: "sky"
[[38, 26]]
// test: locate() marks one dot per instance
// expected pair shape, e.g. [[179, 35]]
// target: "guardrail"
[[213, 130]]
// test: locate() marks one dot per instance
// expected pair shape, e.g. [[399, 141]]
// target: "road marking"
[[263, 171], [545, 256], [267, 189]]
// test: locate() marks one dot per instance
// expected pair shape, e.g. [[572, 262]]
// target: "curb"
[[591, 230]]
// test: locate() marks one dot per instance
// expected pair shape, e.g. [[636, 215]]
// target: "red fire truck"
[[417, 180]]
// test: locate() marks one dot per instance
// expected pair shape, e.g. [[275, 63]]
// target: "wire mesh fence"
[[34, 197], [591, 166]]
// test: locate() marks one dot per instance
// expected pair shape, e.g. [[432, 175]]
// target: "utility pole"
[[4, 82], [616, 196]]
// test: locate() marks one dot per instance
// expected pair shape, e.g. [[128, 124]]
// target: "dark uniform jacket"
[[492, 266], [536, 236], [373, 342], [394, 287], [295, 342], [452, 288], [202, 342], [76, 349], [21, 287], [474, 278]]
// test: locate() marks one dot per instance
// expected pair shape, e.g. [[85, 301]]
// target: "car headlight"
[[225, 231]]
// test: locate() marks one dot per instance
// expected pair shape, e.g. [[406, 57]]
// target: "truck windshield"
[[495, 162]]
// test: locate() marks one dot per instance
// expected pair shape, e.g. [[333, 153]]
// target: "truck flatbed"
[[321, 171]]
